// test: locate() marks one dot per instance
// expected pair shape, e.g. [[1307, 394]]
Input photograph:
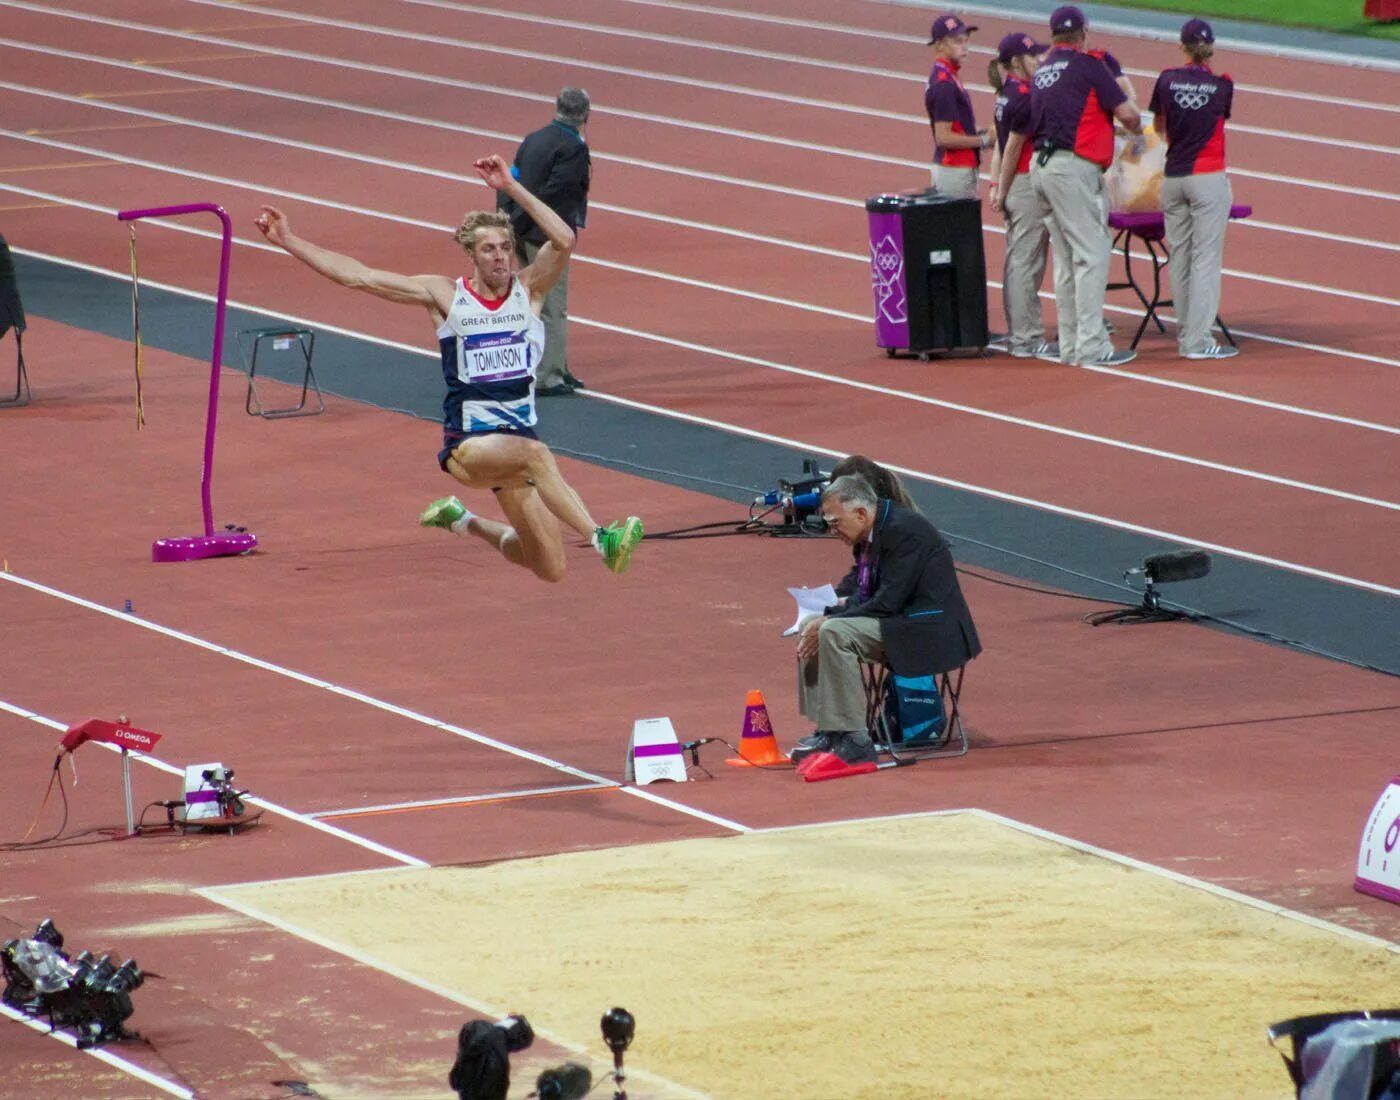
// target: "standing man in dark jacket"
[[553, 164], [901, 603]]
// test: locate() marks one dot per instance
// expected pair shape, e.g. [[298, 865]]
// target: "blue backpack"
[[914, 711]]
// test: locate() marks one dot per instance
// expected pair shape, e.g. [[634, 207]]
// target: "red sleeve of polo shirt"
[[1093, 138], [1109, 60], [1018, 121], [1211, 158], [944, 101]]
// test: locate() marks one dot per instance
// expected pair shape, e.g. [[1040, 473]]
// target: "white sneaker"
[[1113, 359], [1214, 351]]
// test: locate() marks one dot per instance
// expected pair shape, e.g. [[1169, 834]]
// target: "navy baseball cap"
[[1196, 30], [1067, 20], [1015, 45], [947, 25]]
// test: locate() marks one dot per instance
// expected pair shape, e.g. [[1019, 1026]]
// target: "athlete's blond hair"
[[477, 220], [1199, 52]]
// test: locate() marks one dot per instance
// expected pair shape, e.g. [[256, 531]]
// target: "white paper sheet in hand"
[[810, 601]]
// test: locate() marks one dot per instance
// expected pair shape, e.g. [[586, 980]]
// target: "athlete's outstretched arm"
[[433, 291], [549, 263]]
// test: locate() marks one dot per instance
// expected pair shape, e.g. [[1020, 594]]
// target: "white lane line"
[[1226, 395], [1191, 881], [831, 65], [889, 391], [174, 769], [667, 78], [416, 169], [1318, 234], [465, 800], [998, 494], [746, 135], [1331, 57], [1104, 853], [462, 128], [981, 490], [1033, 18], [834, 253], [457, 128], [226, 896], [367, 700], [116, 1061]]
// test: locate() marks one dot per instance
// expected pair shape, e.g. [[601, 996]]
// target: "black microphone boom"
[[1179, 565]]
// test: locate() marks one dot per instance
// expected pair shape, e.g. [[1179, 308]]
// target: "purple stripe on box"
[[202, 796], [672, 749], [1376, 889], [887, 280]]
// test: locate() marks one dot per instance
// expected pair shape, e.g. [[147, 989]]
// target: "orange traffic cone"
[[757, 746]]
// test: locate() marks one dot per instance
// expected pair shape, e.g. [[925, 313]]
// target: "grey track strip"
[[1041, 548]]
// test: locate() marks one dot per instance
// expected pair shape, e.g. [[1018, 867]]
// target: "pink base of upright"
[[193, 547]]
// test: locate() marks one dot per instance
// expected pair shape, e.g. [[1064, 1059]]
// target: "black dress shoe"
[[560, 389], [577, 383]]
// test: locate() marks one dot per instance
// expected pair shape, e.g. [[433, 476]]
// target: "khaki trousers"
[[1196, 210], [555, 314], [960, 183], [829, 688], [1069, 192], [1027, 249]]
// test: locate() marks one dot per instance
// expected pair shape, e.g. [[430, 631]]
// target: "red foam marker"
[[827, 765]]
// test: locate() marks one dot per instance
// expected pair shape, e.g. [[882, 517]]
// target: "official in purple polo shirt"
[[956, 140], [1190, 105], [1074, 100], [1027, 241]]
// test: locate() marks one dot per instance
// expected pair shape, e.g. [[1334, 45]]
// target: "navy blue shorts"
[[450, 441]]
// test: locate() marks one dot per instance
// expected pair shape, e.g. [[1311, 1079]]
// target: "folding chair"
[[12, 317], [950, 741], [300, 342]]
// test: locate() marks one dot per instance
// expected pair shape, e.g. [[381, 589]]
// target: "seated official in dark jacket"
[[900, 604]]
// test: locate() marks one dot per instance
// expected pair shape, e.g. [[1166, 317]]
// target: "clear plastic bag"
[[1134, 179]]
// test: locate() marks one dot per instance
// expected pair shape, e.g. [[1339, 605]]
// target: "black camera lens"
[[618, 1029], [127, 977]]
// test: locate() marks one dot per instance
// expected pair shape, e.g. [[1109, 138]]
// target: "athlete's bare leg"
[[500, 536], [498, 460], [534, 533]]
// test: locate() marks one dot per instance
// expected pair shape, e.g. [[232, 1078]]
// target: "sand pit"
[[930, 956]]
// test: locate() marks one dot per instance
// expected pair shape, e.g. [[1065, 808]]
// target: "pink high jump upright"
[[209, 544]]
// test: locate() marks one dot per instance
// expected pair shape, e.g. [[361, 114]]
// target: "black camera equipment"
[[570, 1081], [90, 997], [230, 799], [482, 1068], [618, 1029], [800, 501], [1179, 565]]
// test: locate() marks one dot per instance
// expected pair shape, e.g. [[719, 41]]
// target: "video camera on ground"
[[220, 780], [800, 500], [90, 996]]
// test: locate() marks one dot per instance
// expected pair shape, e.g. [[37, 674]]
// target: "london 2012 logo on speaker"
[[887, 271]]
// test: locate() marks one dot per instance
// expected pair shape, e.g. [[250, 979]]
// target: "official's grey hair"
[[852, 491], [571, 106]]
